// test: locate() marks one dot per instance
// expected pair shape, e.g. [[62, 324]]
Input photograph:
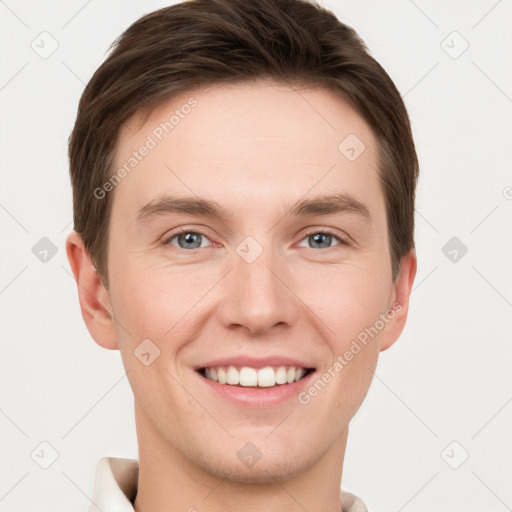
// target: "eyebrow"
[[319, 205]]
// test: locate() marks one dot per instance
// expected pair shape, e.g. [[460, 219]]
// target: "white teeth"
[[221, 374], [264, 377], [299, 374], [281, 375], [248, 377], [233, 376]]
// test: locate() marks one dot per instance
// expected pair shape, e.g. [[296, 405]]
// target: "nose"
[[256, 295]]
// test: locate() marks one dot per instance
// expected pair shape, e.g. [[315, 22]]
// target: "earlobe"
[[400, 300], [93, 297]]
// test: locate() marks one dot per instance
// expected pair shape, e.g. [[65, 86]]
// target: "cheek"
[[157, 301], [347, 299], [154, 304], [349, 307]]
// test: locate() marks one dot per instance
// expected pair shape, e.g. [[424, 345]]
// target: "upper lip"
[[254, 362]]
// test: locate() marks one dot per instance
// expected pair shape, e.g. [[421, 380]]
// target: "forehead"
[[246, 141]]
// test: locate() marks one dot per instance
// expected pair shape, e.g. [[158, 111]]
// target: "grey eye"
[[188, 240], [321, 240]]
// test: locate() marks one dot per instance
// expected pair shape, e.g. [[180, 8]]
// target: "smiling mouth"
[[247, 377]]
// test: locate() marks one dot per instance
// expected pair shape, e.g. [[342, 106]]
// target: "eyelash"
[[344, 240]]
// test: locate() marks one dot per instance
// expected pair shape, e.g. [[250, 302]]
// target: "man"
[[264, 136]]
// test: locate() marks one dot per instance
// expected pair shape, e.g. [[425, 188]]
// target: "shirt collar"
[[115, 488]]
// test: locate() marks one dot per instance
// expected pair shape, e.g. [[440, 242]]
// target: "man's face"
[[261, 282]]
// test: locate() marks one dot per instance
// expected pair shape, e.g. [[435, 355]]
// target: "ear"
[[399, 301], [92, 294]]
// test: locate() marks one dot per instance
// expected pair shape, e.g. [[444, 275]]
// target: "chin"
[[263, 472], [276, 463]]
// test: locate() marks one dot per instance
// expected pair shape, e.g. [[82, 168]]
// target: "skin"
[[255, 148]]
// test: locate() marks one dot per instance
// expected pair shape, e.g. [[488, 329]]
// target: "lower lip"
[[258, 397]]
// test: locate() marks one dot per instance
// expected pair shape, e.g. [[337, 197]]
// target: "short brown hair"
[[202, 42]]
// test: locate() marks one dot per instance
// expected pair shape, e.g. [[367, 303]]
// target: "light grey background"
[[441, 393]]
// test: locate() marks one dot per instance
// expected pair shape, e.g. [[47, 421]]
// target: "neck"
[[171, 482]]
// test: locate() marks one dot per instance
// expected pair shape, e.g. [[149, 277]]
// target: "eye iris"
[[317, 237], [190, 238]]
